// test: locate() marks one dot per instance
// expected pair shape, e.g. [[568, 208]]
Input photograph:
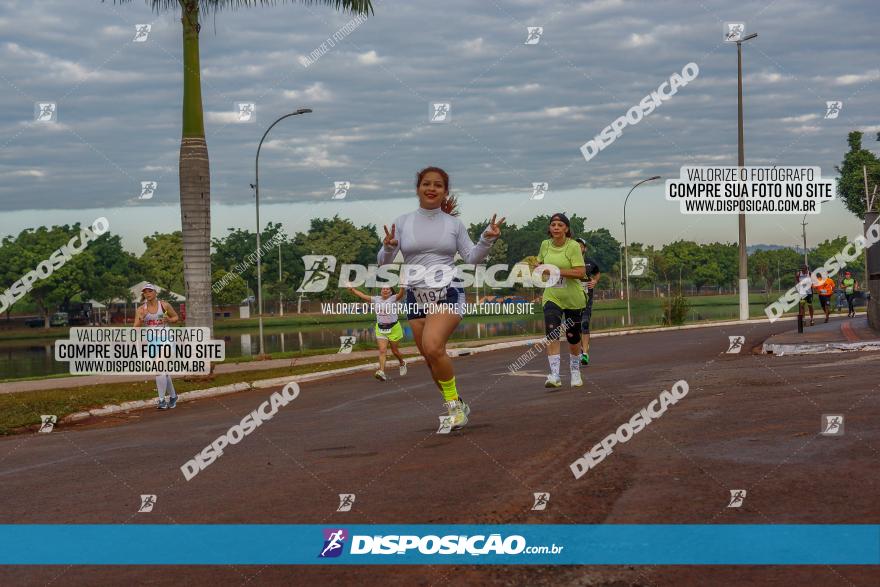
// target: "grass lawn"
[[18, 410]]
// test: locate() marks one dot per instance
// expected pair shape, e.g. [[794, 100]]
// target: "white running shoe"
[[403, 369], [576, 380], [380, 375], [553, 381], [459, 412]]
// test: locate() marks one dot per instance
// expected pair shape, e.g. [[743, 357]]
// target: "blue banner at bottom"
[[522, 544]]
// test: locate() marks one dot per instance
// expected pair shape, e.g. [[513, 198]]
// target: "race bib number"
[[385, 330], [429, 296], [560, 283]]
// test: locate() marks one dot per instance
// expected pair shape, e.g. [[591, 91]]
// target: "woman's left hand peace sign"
[[494, 229]]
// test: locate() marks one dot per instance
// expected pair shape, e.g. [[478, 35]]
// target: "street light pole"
[[804, 229], [259, 247], [626, 245], [280, 300], [743, 257]]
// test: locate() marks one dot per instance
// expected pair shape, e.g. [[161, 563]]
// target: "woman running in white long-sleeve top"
[[427, 237]]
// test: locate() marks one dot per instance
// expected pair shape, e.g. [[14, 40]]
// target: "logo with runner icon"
[[539, 190], [734, 31], [47, 423], [832, 109], [340, 189], [735, 345], [334, 542], [832, 425], [637, 266], [541, 501], [346, 344], [533, 35], [346, 500], [141, 32], [737, 497], [445, 424], [318, 270], [440, 111], [147, 503]]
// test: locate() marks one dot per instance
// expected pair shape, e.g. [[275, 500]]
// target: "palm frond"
[[209, 6]]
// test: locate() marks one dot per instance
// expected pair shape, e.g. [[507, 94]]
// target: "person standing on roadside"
[[591, 278]]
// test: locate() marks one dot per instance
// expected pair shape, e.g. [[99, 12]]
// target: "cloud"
[[316, 92], [857, 78], [369, 58]]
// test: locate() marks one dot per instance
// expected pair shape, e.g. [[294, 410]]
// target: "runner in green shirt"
[[564, 301], [849, 290]]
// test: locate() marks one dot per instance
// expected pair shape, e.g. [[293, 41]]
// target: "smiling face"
[[149, 295], [386, 292], [432, 189], [558, 229]]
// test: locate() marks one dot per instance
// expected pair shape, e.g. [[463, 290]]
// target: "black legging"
[[849, 302]]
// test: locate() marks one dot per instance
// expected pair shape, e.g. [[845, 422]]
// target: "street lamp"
[[743, 257], [626, 246], [259, 251]]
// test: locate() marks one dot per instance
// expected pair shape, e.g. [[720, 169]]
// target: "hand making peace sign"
[[389, 241], [494, 229]]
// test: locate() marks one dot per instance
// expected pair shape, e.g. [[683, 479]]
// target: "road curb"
[[819, 348]]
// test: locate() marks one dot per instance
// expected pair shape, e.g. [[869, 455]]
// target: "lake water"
[[35, 357]]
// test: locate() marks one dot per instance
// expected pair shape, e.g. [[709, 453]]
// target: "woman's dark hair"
[[562, 218], [450, 202]]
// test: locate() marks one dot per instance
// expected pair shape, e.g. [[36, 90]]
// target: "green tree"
[[830, 247], [851, 183], [681, 259], [32, 247], [114, 270], [195, 182], [233, 292], [341, 238], [162, 261], [602, 247]]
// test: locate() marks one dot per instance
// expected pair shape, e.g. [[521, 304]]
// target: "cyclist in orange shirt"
[[825, 287]]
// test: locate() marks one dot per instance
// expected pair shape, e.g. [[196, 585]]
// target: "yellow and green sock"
[[447, 388]]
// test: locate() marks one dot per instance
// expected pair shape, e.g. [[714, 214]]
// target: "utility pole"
[[743, 255], [280, 300], [804, 228]]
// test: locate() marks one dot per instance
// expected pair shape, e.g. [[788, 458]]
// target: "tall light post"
[[626, 246], [280, 295], [804, 232], [259, 247], [743, 257]]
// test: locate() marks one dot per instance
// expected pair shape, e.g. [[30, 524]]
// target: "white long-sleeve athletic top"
[[432, 237]]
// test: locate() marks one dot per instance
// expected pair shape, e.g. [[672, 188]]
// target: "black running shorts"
[[553, 318]]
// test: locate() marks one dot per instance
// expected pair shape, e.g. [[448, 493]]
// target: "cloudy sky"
[[519, 112]]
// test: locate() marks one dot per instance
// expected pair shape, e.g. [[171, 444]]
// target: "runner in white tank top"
[[159, 318], [388, 330]]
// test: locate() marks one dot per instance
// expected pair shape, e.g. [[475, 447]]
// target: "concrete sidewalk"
[[838, 335]]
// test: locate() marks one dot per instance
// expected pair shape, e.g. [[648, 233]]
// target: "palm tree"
[[195, 178]]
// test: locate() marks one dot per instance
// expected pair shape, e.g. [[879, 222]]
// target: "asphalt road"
[[749, 422]]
